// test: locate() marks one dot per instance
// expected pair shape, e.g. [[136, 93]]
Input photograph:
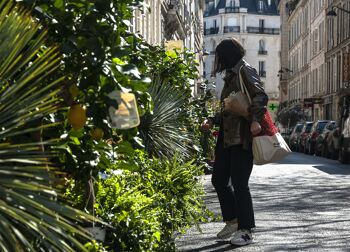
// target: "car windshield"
[[321, 125], [308, 127], [299, 128]]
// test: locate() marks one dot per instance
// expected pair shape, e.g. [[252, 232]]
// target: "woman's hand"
[[255, 128], [226, 104], [207, 124]]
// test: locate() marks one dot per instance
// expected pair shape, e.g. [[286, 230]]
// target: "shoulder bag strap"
[[243, 87]]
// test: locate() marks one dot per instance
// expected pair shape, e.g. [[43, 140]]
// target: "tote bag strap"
[[243, 87]]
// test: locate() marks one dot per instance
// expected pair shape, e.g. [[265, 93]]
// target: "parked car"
[[344, 144], [331, 149], [294, 136], [344, 127], [285, 133], [303, 135], [321, 144], [316, 130]]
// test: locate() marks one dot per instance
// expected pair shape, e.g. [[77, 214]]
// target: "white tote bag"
[[269, 149]]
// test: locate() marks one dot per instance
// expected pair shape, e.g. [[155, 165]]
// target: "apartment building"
[[318, 56], [176, 23], [337, 57], [306, 55], [284, 71], [256, 24]]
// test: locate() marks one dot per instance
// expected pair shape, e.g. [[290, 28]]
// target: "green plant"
[[147, 201], [169, 124], [132, 214], [32, 217], [176, 189], [100, 55], [162, 129]]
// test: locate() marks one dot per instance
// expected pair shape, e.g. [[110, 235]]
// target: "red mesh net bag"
[[267, 126]]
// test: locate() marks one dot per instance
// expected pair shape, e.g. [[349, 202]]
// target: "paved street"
[[301, 204]]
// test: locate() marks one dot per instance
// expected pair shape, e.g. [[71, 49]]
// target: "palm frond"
[[163, 131], [31, 216]]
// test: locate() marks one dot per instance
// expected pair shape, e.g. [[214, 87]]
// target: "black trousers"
[[232, 169]]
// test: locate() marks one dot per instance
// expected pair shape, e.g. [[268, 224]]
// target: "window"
[[213, 47], [260, 6], [261, 45], [261, 23], [321, 32], [315, 41], [262, 72], [262, 49], [214, 23]]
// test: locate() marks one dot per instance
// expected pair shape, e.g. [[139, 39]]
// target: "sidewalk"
[[297, 208]]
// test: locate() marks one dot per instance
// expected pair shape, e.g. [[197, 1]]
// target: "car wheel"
[[332, 153], [311, 150], [342, 157], [324, 150]]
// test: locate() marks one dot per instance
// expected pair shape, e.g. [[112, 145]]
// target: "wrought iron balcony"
[[252, 29], [233, 9], [231, 28], [262, 52], [210, 31]]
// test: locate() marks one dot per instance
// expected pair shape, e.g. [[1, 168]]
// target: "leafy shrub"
[[131, 212], [148, 201]]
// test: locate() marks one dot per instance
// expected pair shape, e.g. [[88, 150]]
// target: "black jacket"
[[236, 129]]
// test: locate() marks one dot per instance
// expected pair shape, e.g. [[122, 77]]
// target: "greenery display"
[[32, 214], [147, 201], [100, 55], [157, 192], [169, 117]]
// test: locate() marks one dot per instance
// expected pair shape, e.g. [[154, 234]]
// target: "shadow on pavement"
[[304, 210], [213, 247]]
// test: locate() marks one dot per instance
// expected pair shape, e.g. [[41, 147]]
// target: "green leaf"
[[32, 216], [74, 140], [59, 4]]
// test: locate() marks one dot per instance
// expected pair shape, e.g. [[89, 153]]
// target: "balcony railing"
[[210, 31], [262, 73], [232, 9], [228, 29], [251, 29], [262, 52]]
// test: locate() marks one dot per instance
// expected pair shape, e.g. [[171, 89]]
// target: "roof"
[[251, 5]]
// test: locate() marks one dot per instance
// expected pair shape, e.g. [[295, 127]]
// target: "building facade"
[[173, 23], [306, 56], [337, 59], [284, 71], [318, 56], [256, 24]]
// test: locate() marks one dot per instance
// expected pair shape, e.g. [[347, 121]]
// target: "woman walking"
[[233, 155]]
